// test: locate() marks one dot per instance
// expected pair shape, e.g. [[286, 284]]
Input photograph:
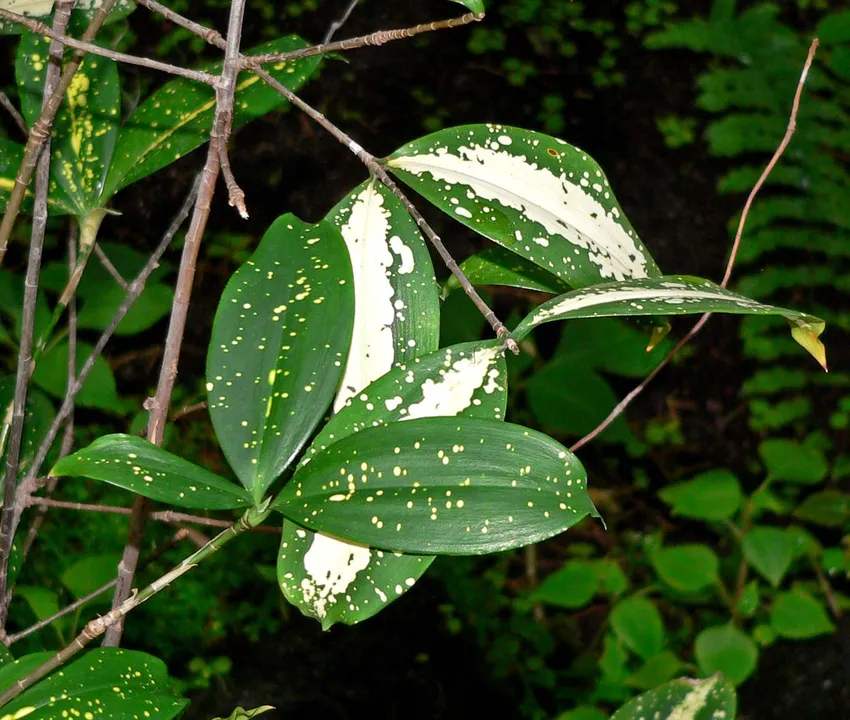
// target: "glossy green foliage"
[[498, 266], [138, 686], [709, 699], [129, 462], [178, 117], [279, 343], [440, 485], [476, 6], [537, 196]]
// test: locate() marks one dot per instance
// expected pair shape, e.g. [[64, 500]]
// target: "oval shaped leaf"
[[770, 551], [440, 486], [798, 615], [279, 341], [85, 129], [728, 650], [572, 586], [533, 194], [710, 699], [114, 683], [668, 295], [638, 625], [134, 464], [687, 568], [178, 117], [712, 495]]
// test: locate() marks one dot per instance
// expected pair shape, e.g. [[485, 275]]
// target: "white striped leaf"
[[711, 698], [336, 581], [438, 485], [534, 194], [278, 346], [668, 295]]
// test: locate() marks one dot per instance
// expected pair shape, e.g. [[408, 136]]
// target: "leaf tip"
[[807, 337]]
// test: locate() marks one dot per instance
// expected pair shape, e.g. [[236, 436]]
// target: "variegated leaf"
[[668, 295], [711, 698], [86, 126], [497, 266], [336, 581], [538, 196]]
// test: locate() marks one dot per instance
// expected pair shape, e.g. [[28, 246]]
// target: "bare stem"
[[337, 24], [10, 108], [789, 132]]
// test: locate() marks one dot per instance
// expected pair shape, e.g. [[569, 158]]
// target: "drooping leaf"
[[533, 194], [667, 295], [134, 464], [279, 342], [638, 625], [440, 486], [498, 266], [728, 650], [770, 551], [85, 129], [789, 461], [177, 118], [798, 615], [397, 312], [709, 699], [688, 568], [113, 683], [713, 495], [336, 581], [572, 586]]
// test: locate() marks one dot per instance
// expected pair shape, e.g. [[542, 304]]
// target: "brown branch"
[[41, 131], [789, 132], [188, 410], [10, 108], [337, 24], [40, 28], [109, 267]]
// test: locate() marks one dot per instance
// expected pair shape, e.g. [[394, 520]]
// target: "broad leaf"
[[713, 495], [572, 586], [668, 295], [789, 461], [279, 341], [134, 464], [728, 650], [638, 625], [533, 194], [770, 551], [687, 568], [497, 266], [440, 486], [113, 683], [86, 126], [709, 699], [798, 615], [91, 573], [178, 117]]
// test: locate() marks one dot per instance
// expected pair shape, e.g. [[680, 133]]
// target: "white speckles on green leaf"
[[712, 698]]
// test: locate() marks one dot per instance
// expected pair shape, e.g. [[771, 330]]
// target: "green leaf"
[[91, 573], [668, 295], [583, 713], [612, 579], [638, 624], [85, 129], [748, 602], [657, 670], [242, 714], [316, 572], [117, 683], [834, 28], [129, 462], [42, 601], [498, 266], [537, 196], [151, 306], [687, 568], [98, 391], [37, 420], [279, 342], [770, 551], [178, 117], [475, 6], [440, 486], [728, 650], [798, 615], [11, 155], [572, 586], [714, 495], [788, 461], [709, 699], [830, 508]]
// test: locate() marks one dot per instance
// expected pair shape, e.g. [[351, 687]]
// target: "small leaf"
[[728, 650], [655, 671], [789, 461], [709, 699], [770, 551], [830, 508], [129, 462], [612, 579], [687, 568], [667, 295], [115, 683], [498, 266], [536, 195], [638, 624], [713, 495], [242, 714], [748, 602], [573, 586], [279, 341], [178, 117], [440, 486], [798, 615]]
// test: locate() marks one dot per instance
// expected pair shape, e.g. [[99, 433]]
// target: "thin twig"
[[25, 352], [40, 131], [158, 406], [789, 132], [109, 267], [235, 194], [40, 28], [188, 410], [337, 24], [10, 108]]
